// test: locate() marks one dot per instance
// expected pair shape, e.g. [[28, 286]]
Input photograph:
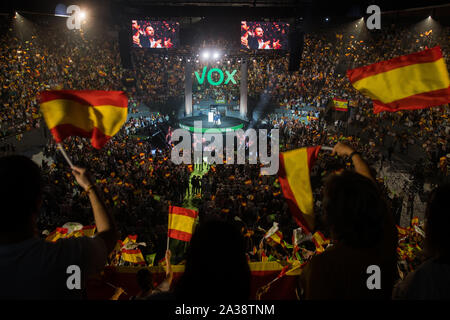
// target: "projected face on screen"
[[264, 35], [155, 34]]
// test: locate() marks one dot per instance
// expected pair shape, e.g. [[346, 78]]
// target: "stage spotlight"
[[216, 55], [188, 60], [205, 55], [326, 19], [228, 61], [82, 15]]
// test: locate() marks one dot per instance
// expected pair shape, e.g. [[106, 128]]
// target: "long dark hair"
[[216, 266], [354, 210], [437, 222], [144, 280], [20, 191]]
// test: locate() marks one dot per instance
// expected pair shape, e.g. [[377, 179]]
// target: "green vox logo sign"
[[230, 76]]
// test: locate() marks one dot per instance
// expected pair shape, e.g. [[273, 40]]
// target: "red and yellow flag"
[[59, 233], [295, 166], [98, 115], [89, 231], [340, 104], [277, 237], [415, 221], [319, 240], [414, 81], [181, 223], [134, 256], [130, 238]]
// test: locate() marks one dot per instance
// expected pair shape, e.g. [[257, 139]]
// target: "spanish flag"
[[89, 231], [181, 223], [277, 237], [319, 240], [59, 233], [295, 166], [98, 115], [130, 238], [340, 104], [415, 81], [415, 221], [134, 256]]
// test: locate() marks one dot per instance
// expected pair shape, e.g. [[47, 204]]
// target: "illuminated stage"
[[228, 124]]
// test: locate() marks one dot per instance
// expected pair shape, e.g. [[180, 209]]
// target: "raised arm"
[[104, 221], [169, 271], [361, 167]]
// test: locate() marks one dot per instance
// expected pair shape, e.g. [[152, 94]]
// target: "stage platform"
[[228, 124]]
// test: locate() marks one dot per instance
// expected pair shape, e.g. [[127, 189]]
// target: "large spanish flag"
[[414, 81], [98, 115], [295, 166], [181, 223]]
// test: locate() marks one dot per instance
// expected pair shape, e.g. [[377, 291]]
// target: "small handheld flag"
[[295, 166], [181, 223]]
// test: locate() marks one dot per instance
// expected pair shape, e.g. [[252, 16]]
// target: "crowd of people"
[[138, 181]]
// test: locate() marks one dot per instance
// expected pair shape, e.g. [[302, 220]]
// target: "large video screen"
[[155, 34], [264, 35]]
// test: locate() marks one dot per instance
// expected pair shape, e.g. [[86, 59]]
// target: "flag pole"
[[168, 227], [325, 148], [111, 285], [63, 152]]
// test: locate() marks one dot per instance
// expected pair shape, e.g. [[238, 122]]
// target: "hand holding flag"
[[83, 177]]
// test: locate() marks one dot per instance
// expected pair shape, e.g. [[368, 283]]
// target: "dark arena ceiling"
[[119, 11], [323, 5]]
